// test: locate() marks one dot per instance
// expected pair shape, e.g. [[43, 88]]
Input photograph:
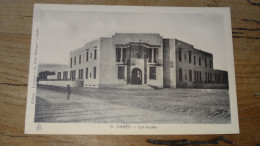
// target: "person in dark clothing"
[[68, 92]]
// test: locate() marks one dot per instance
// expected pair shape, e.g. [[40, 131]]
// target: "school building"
[[139, 59]]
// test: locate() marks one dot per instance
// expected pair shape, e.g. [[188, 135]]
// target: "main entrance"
[[136, 77]]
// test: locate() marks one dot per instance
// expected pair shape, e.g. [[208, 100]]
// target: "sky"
[[63, 31]]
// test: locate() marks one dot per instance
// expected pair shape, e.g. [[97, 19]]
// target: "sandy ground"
[[88, 105]]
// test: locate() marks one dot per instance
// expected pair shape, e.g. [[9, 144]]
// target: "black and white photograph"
[[131, 70]]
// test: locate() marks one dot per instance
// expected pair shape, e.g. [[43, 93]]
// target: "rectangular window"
[[149, 55], [121, 72], [210, 79], [124, 55], [195, 76], [194, 60], [95, 73], [79, 59], [75, 60], [72, 74], [180, 74], [80, 73], [70, 62], [180, 58], [155, 54], [65, 75], [86, 73], [206, 77], [152, 72], [95, 54], [210, 64], [59, 75], [118, 54], [205, 62], [189, 56], [199, 61], [200, 76], [190, 75], [87, 56]]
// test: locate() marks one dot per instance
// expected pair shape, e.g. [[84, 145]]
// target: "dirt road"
[[133, 106]]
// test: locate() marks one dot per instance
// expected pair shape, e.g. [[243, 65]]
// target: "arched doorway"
[[136, 77]]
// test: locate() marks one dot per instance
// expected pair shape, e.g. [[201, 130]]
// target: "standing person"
[[68, 92]]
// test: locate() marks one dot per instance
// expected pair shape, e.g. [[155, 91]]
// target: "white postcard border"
[[127, 129]]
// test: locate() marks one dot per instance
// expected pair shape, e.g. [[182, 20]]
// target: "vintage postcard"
[[131, 71]]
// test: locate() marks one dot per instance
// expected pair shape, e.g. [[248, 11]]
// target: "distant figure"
[[68, 92]]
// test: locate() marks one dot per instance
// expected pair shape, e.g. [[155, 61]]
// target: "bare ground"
[[89, 105]]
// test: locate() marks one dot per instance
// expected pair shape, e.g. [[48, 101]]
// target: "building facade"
[[142, 59]]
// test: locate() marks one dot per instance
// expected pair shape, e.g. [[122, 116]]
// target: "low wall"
[[204, 85], [62, 83]]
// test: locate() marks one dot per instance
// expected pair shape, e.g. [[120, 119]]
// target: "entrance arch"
[[136, 76]]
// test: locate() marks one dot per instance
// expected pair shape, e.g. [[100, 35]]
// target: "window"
[[95, 54], [75, 60], [185, 56], [180, 74], [95, 73], [149, 55], [87, 56], [206, 77], [155, 54], [80, 73], [199, 61], [72, 74], [70, 62], [79, 59], [210, 64], [86, 73], [189, 56], [200, 76], [180, 59], [195, 76], [205, 62], [152, 72], [118, 54], [210, 79], [59, 75], [121, 72], [194, 60], [190, 75], [91, 55], [185, 76], [65, 75], [124, 55]]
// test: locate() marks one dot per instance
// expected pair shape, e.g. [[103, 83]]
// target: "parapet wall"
[[62, 83]]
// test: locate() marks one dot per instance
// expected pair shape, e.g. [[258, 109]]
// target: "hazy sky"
[[63, 31]]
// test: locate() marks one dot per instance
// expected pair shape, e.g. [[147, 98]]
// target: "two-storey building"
[[142, 59]]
